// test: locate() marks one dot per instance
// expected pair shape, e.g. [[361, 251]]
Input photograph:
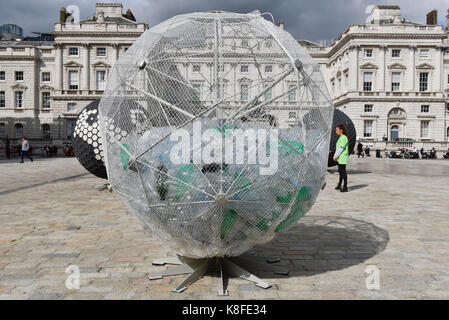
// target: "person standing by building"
[[359, 150], [7, 148], [25, 149], [341, 156]]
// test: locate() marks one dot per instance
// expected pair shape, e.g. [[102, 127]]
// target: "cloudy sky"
[[314, 20]]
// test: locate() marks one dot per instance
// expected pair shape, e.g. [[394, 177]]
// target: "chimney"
[[432, 17], [62, 15], [281, 24]]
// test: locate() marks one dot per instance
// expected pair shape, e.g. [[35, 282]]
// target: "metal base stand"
[[198, 268]]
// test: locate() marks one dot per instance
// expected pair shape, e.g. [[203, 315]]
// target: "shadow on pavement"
[[357, 186], [316, 245]]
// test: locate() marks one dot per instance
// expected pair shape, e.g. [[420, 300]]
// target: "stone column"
[[382, 77], [412, 68], [58, 67], [86, 65], [439, 69]]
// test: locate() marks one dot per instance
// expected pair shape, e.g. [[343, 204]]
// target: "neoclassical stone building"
[[45, 84], [390, 76]]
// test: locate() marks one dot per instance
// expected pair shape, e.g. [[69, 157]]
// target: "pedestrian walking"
[[341, 156], [7, 148], [25, 149]]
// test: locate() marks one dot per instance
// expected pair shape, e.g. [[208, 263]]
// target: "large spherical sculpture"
[[87, 141], [341, 118], [216, 129]]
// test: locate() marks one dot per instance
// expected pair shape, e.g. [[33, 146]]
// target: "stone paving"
[[395, 218]]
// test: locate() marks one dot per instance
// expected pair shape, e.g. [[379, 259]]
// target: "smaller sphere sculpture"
[[341, 118], [87, 141]]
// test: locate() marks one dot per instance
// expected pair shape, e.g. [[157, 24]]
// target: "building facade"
[[391, 77], [45, 84]]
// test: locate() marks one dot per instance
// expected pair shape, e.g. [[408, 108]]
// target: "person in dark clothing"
[[359, 149], [7, 148]]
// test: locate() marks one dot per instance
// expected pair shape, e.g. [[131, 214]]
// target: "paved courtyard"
[[395, 219]]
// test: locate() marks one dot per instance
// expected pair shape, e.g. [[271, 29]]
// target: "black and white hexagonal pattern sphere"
[[87, 141], [341, 118]]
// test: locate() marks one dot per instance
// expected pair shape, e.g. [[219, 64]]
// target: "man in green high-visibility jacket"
[[341, 155]]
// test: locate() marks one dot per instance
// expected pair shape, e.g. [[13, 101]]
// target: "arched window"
[[2, 130], [46, 132], [394, 133], [19, 130]]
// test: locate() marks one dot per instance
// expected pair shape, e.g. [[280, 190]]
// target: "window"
[[2, 130], [19, 99], [396, 81], [423, 81], [425, 128], [2, 76], [425, 108], [46, 77], [268, 69], [269, 94], [197, 92], [368, 53], [71, 107], [18, 130], [292, 94], [244, 92], [244, 68], [70, 128], [73, 80], [73, 51], [424, 53], [46, 130], [101, 80], [368, 108], [368, 128], [196, 68], [395, 53], [19, 75], [292, 115], [101, 52], [46, 100], [367, 81], [2, 99]]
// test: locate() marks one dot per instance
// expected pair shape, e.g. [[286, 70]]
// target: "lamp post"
[[59, 127]]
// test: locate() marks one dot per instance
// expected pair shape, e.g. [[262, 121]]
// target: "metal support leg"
[[223, 290], [199, 272], [237, 271]]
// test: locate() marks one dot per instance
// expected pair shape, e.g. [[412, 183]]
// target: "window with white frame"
[[368, 53], [71, 107], [46, 131], [196, 91], [268, 69], [425, 108], [367, 81], [244, 68], [101, 80], [244, 92], [19, 75], [46, 77], [396, 53], [73, 80], [18, 128], [368, 128], [423, 81], [196, 68], [73, 51], [368, 108], [2, 76], [19, 99], [101, 52], [2, 99], [46, 100], [425, 128], [292, 93], [396, 81], [424, 53]]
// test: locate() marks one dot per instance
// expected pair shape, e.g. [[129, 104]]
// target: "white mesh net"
[[216, 128]]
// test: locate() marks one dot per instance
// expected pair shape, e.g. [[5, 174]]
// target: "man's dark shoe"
[[344, 189], [337, 187], [21, 162]]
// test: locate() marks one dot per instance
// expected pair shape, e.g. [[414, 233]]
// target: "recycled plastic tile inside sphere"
[[216, 131]]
